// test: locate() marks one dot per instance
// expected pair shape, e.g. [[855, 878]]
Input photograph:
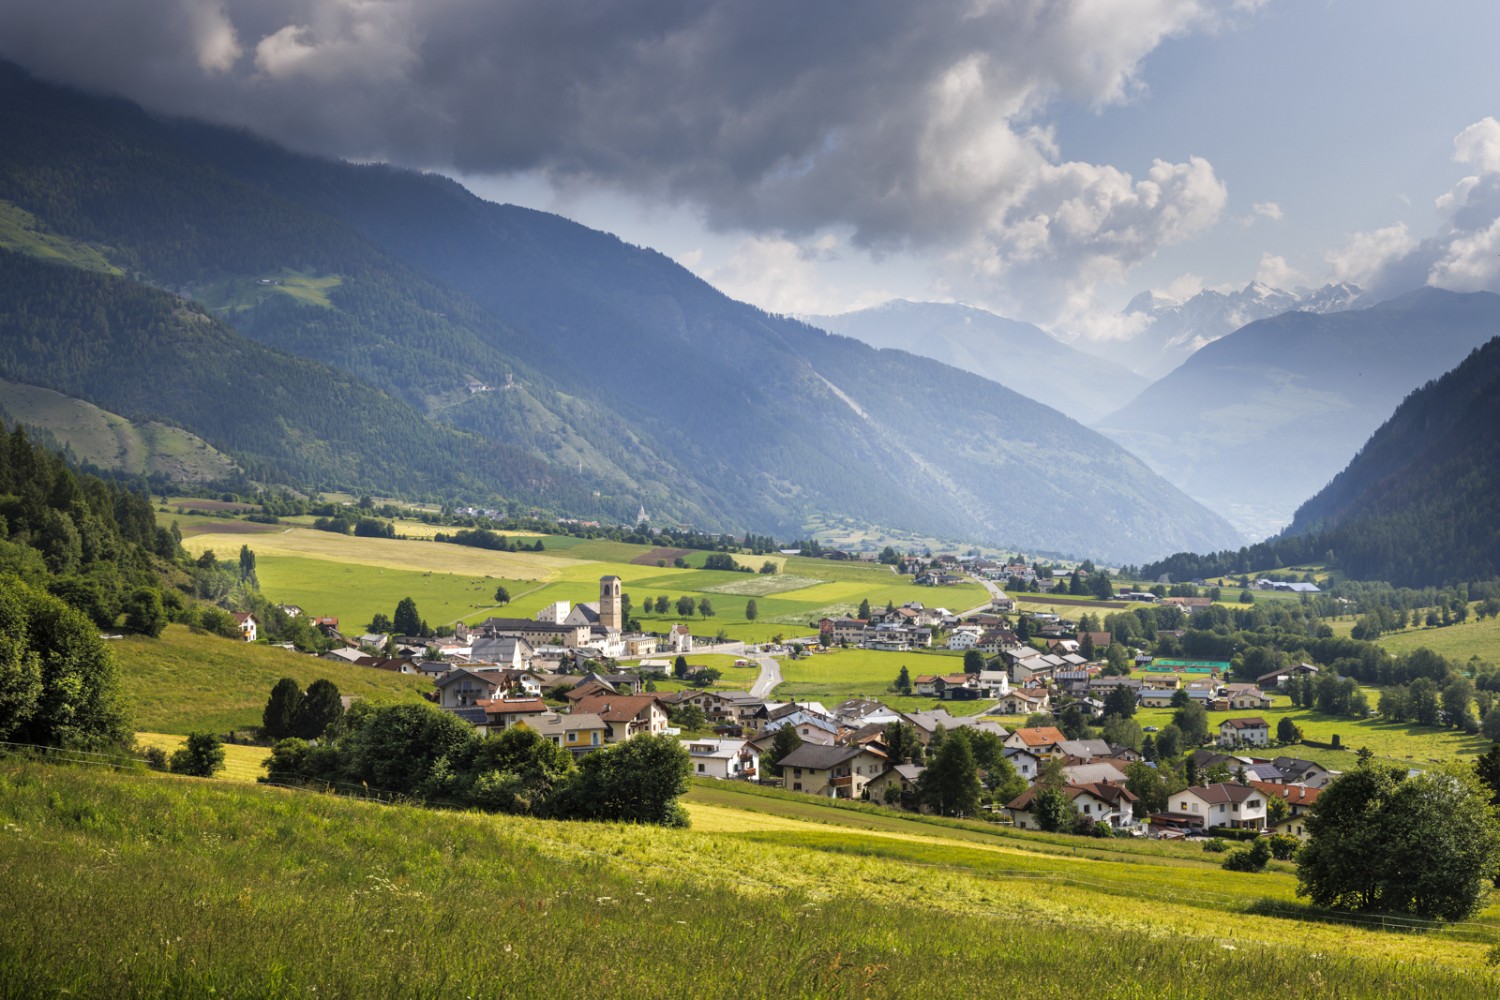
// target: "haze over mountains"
[[1175, 328], [1018, 355], [1257, 421], [452, 342]]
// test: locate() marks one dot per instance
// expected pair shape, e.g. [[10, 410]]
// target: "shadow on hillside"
[[1396, 922]]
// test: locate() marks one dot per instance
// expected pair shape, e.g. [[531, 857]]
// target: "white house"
[[1221, 804], [722, 758], [1250, 729], [248, 626]]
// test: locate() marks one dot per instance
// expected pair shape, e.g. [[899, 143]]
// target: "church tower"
[[609, 603]]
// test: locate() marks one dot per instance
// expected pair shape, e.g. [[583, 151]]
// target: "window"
[[700, 767]]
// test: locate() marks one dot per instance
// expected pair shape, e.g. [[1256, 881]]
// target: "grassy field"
[[187, 681], [208, 887], [242, 763], [1458, 642], [20, 233], [1402, 742], [838, 674], [353, 578]]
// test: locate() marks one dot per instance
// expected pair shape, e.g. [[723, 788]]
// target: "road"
[[996, 594], [770, 676]]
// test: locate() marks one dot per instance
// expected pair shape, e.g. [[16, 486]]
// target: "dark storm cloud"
[[907, 123]]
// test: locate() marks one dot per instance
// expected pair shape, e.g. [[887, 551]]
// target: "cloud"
[[1277, 273], [1463, 256], [907, 126], [782, 276]]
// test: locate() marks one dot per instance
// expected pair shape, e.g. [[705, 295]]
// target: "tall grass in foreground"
[[137, 885]]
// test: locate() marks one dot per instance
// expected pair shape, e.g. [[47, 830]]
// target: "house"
[[1247, 696], [344, 655], [502, 713], [1189, 603], [992, 683], [722, 758], [504, 651], [1027, 764], [834, 772], [578, 732], [248, 626], [1084, 749], [1023, 702], [680, 639], [1246, 729], [1304, 772], [902, 778], [812, 726], [1038, 739], [624, 715], [1103, 772], [1299, 798], [463, 687], [1221, 804], [1279, 677], [963, 638], [1101, 803]]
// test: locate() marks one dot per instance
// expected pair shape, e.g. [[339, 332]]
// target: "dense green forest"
[[150, 355], [1418, 506]]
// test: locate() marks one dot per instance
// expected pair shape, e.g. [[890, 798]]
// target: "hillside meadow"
[[141, 885], [190, 681]]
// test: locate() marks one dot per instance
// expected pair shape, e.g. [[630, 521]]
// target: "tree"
[[1458, 699], [687, 716], [1487, 768], [1146, 784], [768, 568], [864, 610], [1169, 742], [637, 781], [247, 568], [381, 623], [686, 606], [706, 676], [1053, 810], [202, 756], [1117, 658], [950, 785], [1381, 840], [903, 681], [705, 607], [58, 685], [1120, 702], [784, 742], [318, 709], [1491, 725], [144, 612], [680, 667], [752, 611], [1287, 731], [662, 604], [1086, 645], [1192, 721], [406, 621], [973, 662], [279, 719], [502, 596], [1424, 701], [1121, 731], [1249, 859], [902, 743]]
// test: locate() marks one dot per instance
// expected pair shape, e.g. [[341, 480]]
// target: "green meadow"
[[132, 884], [839, 674], [352, 578], [189, 681]]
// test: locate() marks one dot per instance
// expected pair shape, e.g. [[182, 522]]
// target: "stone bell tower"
[[609, 603]]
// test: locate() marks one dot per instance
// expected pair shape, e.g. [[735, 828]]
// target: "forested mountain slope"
[[626, 374], [1259, 420], [1420, 503]]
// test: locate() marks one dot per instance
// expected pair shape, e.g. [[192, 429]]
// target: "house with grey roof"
[[831, 771]]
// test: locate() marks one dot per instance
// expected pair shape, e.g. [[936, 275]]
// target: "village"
[[559, 674]]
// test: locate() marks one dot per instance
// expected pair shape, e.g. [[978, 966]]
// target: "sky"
[[1046, 160]]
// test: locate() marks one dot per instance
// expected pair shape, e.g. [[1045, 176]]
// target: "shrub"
[[1284, 846], [1249, 859], [156, 758], [1215, 846], [202, 757]]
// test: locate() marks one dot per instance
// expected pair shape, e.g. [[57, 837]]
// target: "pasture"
[[838, 674], [189, 681], [790, 899], [352, 578], [242, 762]]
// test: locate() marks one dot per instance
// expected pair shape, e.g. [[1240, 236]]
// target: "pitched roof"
[[1247, 722], [1040, 736], [818, 757], [529, 706], [1223, 791], [615, 707], [1295, 795]]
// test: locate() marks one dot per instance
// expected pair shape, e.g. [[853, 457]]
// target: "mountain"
[[597, 375], [1420, 503], [109, 441], [1172, 329], [1257, 421], [1017, 355]]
